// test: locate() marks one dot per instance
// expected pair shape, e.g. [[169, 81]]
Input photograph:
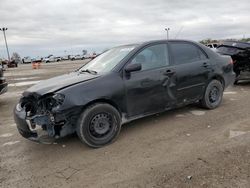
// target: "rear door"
[[192, 69]]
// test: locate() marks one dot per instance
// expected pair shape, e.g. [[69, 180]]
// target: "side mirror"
[[132, 67]]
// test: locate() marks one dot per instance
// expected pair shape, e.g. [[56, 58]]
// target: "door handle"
[[169, 72], [206, 65]]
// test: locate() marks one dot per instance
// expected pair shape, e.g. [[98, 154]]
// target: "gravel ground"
[[186, 147]]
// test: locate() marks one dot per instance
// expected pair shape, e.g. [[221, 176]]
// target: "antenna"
[[179, 32]]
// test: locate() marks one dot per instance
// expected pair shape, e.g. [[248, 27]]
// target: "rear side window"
[[186, 53]]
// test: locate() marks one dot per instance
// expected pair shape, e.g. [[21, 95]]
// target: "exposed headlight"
[[59, 98], [19, 107]]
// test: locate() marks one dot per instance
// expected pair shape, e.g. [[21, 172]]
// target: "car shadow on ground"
[[134, 127], [243, 83]]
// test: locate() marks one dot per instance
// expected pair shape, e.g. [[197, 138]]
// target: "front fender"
[[109, 87]]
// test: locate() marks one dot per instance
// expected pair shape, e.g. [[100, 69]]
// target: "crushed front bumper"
[[43, 128], [23, 127], [37, 133], [3, 87]]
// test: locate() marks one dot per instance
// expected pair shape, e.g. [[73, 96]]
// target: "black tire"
[[213, 95], [99, 125]]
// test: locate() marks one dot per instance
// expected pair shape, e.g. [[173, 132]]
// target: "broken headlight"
[[19, 107], [59, 98]]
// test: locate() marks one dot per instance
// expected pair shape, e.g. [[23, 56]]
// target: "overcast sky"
[[42, 27]]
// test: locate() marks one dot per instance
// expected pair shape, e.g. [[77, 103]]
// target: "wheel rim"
[[101, 125], [214, 94]]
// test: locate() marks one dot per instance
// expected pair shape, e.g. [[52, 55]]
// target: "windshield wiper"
[[88, 71]]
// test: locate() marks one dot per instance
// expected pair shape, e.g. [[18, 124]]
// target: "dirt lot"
[[187, 147]]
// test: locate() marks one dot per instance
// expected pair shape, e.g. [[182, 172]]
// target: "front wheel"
[[99, 125], [213, 95]]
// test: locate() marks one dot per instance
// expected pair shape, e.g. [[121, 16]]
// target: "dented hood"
[[60, 82]]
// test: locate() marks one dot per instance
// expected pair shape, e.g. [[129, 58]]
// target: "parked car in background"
[[27, 59], [123, 84], [213, 46], [51, 58], [12, 64], [240, 53], [66, 57], [93, 56], [87, 56], [37, 59], [3, 82], [77, 57]]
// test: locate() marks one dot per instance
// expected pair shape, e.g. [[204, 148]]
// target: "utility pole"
[[6, 44], [167, 29]]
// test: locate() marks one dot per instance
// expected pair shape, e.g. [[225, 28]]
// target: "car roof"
[[156, 41]]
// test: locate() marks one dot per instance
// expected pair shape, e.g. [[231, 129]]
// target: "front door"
[[146, 89]]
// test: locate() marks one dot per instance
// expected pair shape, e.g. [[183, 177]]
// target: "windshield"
[[108, 60]]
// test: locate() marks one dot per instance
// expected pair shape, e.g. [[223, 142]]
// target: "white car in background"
[[27, 59], [77, 57], [66, 57], [51, 58], [213, 46]]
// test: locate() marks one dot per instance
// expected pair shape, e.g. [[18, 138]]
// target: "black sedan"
[[123, 84]]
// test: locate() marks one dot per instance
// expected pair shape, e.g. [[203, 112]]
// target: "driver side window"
[[152, 57]]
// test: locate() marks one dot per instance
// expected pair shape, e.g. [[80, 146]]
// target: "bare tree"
[[84, 52], [16, 57]]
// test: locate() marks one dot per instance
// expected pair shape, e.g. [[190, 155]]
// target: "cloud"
[[45, 27]]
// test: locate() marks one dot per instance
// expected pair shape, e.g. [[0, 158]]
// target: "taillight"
[[231, 61]]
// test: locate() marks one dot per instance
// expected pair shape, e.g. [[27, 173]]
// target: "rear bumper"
[[3, 88]]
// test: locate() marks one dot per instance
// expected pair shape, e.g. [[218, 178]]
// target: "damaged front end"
[[40, 118]]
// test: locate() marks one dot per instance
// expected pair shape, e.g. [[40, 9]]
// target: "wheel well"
[[220, 79], [110, 102]]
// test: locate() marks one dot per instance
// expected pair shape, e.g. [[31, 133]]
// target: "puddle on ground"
[[11, 143], [197, 112], [6, 135], [230, 92], [180, 115], [24, 83], [13, 125], [232, 99], [233, 134], [28, 78], [24, 72], [12, 94]]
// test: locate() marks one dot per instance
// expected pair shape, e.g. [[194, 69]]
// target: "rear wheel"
[[213, 95], [99, 125]]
